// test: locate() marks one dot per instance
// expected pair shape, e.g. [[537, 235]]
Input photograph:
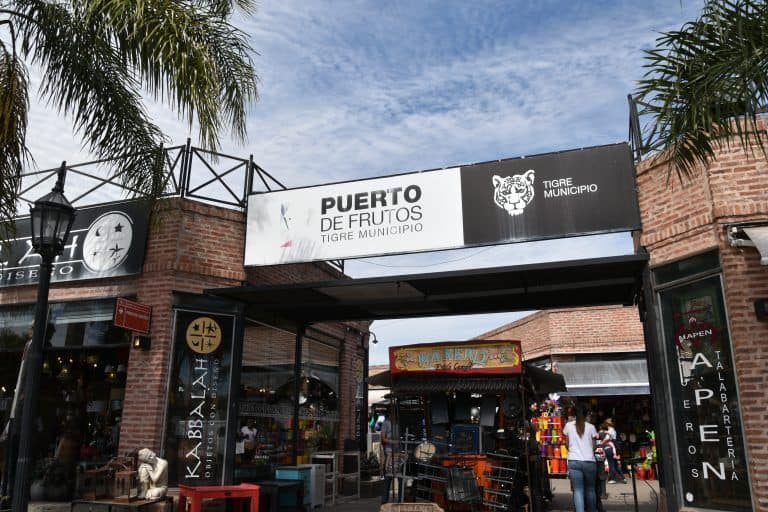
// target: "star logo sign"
[[108, 242]]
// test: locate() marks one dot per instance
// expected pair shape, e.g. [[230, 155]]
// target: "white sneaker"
[[611, 481]]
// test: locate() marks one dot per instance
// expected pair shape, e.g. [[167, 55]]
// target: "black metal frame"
[[190, 172], [181, 164], [638, 144]]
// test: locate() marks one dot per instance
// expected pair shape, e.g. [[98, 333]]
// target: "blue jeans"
[[614, 469], [392, 472], [583, 475], [388, 488]]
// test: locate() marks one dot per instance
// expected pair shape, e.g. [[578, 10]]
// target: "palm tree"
[[97, 57], [706, 83]]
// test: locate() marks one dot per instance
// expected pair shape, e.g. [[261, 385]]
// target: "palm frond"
[[14, 105], [225, 8], [192, 58], [96, 89], [704, 84]]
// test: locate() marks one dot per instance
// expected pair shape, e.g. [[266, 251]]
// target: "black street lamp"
[[51, 218], [366, 340]]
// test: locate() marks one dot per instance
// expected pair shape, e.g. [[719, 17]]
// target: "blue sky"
[[361, 88]]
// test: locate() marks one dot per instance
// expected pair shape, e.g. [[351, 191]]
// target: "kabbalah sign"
[[203, 335]]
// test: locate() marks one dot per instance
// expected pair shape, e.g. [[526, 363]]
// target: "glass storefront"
[[705, 403], [81, 389], [265, 423]]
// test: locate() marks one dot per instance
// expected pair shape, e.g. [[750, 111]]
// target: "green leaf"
[[14, 105]]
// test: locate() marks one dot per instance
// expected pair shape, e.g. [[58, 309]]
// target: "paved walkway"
[[620, 499]]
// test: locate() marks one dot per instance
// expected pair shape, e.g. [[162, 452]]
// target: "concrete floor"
[[620, 499]]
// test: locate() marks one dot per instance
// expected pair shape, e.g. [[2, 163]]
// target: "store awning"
[[421, 385], [543, 382], [605, 378], [562, 284]]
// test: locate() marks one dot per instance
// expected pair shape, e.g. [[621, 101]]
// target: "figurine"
[[153, 474]]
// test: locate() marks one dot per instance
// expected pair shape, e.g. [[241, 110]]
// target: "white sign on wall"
[[405, 213]]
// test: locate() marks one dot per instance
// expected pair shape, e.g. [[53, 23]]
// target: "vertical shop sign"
[[710, 441], [359, 406], [199, 397]]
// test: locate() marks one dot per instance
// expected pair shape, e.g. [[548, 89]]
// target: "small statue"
[[153, 474]]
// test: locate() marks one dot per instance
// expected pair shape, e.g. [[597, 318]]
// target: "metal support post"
[[34, 363]]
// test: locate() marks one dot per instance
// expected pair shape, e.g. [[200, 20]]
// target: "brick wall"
[[532, 331], [680, 220], [569, 331]]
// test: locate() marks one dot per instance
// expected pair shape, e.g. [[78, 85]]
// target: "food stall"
[[462, 409]]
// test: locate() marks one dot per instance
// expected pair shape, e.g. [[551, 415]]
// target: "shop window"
[[265, 438], [15, 324], [688, 267], [706, 409], [82, 385], [71, 324]]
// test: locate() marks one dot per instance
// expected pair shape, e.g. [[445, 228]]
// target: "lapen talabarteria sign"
[[458, 358], [578, 192], [705, 404]]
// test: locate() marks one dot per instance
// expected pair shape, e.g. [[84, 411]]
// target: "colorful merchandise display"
[[552, 447], [548, 428]]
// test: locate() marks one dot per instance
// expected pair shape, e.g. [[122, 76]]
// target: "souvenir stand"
[[461, 409]]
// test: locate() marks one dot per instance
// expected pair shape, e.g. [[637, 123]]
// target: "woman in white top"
[[582, 469]]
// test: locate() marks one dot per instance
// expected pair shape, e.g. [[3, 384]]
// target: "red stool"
[[196, 495]]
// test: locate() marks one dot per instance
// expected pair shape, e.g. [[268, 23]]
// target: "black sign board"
[[707, 416], [196, 432], [105, 241], [584, 191]]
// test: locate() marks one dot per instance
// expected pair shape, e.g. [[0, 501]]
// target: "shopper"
[[609, 444], [390, 440], [602, 474], [582, 469]]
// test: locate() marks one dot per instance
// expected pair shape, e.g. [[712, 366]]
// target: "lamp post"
[[366, 340], [51, 218]]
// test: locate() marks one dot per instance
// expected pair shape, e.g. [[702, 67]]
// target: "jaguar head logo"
[[513, 193]]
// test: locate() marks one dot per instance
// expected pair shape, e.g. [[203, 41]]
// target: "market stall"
[[462, 412]]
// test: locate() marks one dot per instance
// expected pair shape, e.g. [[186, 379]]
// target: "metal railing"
[[189, 172], [639, 144]]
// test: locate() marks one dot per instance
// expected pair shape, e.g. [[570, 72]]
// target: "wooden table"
[[196, 495]]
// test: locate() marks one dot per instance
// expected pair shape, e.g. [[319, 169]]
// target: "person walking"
[[390, 440], [615, 475], [582, 469]]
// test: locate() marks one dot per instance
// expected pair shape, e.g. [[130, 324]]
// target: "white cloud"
[[365, 88]]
